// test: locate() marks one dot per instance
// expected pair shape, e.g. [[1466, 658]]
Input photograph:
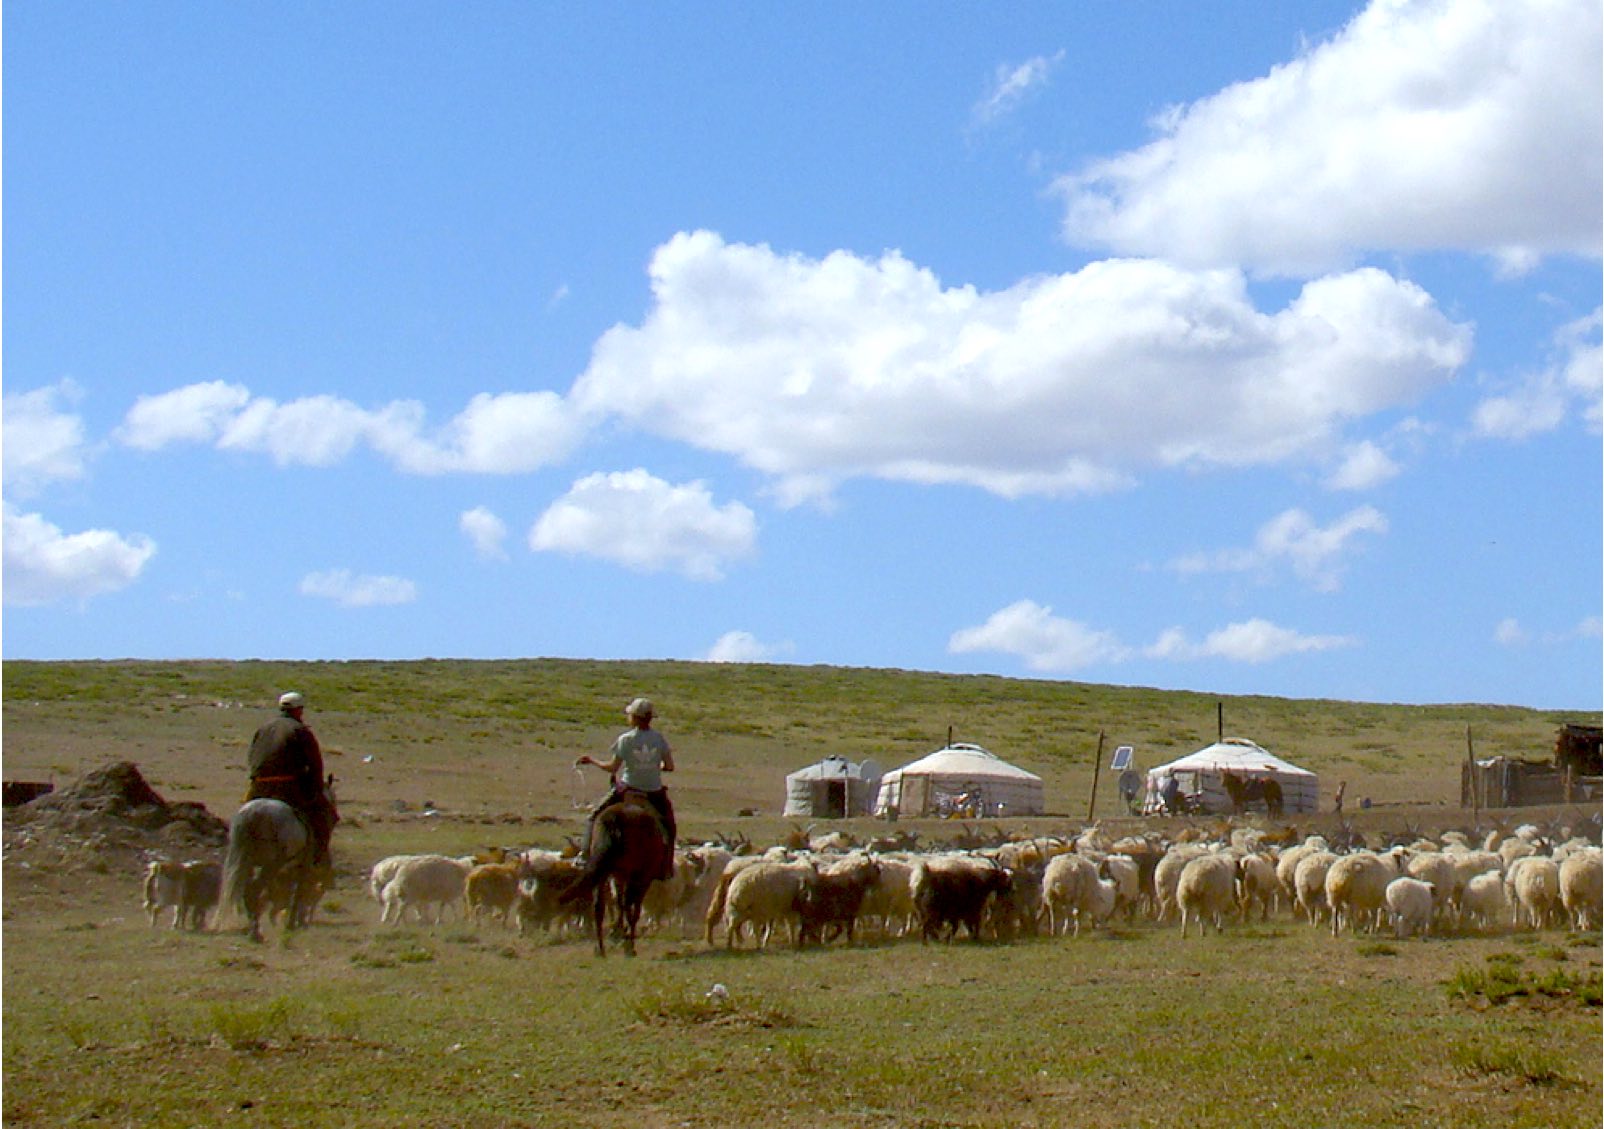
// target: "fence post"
[[1097, 769]]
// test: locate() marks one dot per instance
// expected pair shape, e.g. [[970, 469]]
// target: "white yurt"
[[1199, 777], [960, 780], [834, 788]]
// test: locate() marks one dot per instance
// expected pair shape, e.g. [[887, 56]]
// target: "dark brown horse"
[[626, 853], [1245, 790]]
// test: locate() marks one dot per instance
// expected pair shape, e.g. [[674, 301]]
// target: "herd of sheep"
[[832, 888]]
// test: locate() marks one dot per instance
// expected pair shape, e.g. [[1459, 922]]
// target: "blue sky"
[[1246, 349]]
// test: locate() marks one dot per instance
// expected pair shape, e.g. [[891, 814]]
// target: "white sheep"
[[1286, 870], [1256, 884], [1356, 889], [1439, 870], [762, 896], [1167, 876], [1126, 874], [1515, 848], [425, 880], [382, 872], [1483, 903], [1309, 884], [1410, 902], [1534, 882], [890, 900], [1070, 892], [1206, 891], [1581, 887]]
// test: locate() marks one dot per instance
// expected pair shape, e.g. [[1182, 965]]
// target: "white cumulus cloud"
[[1251, 641], [44, 565], [1364, 466], [1043, 641], [1455, 124], [744, 647], [511, 433], [485, 531], [1315, 553], [356, 590], [1052, 644], [819, 370], [1572, 383], [41, 443], [637, 520]]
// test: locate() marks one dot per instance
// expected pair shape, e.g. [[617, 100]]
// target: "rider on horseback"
[[636, 763], [287, 764]]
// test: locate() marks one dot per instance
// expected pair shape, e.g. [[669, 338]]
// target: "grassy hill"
[[490, 737]]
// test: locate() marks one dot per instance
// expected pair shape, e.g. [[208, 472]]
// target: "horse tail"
[[715, 908], [234, 864], [606, 846]]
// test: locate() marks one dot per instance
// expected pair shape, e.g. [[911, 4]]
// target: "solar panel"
[[1122, 758]]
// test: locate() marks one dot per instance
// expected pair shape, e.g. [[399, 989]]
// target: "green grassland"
[[351, 1023], [500, 737]]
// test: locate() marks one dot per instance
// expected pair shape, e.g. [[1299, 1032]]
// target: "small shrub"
[[1376, 949], [244, 1028], [690, 1008], [1523, 1062]]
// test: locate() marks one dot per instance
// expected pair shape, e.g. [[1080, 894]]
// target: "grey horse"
[[268, 844]]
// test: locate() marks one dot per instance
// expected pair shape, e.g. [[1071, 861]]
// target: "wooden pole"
[[1470, 765], [1219, 722], [1097, 769]]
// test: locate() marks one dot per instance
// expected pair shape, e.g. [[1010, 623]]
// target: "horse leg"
[[598, 915]]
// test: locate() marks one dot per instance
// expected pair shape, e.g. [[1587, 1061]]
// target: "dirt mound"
[[113, 811]]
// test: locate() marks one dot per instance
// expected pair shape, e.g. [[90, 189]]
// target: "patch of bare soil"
[[112, 819]]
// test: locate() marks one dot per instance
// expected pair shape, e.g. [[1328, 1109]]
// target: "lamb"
[[1581, 884], [1206, 891], [1483, 902], [1410, 905], [424, 881]]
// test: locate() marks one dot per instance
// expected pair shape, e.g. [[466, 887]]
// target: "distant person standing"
[[287, 764], [1336, 805], [636, 763]]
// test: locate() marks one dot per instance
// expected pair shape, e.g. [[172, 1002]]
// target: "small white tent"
[[834, 788], [1200, 777], [960, 780]]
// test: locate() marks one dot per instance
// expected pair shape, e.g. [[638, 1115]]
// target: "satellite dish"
[[869, 770], [1122, 758]]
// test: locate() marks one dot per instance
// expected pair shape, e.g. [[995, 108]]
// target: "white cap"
[[291, 701], [640, 707]]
